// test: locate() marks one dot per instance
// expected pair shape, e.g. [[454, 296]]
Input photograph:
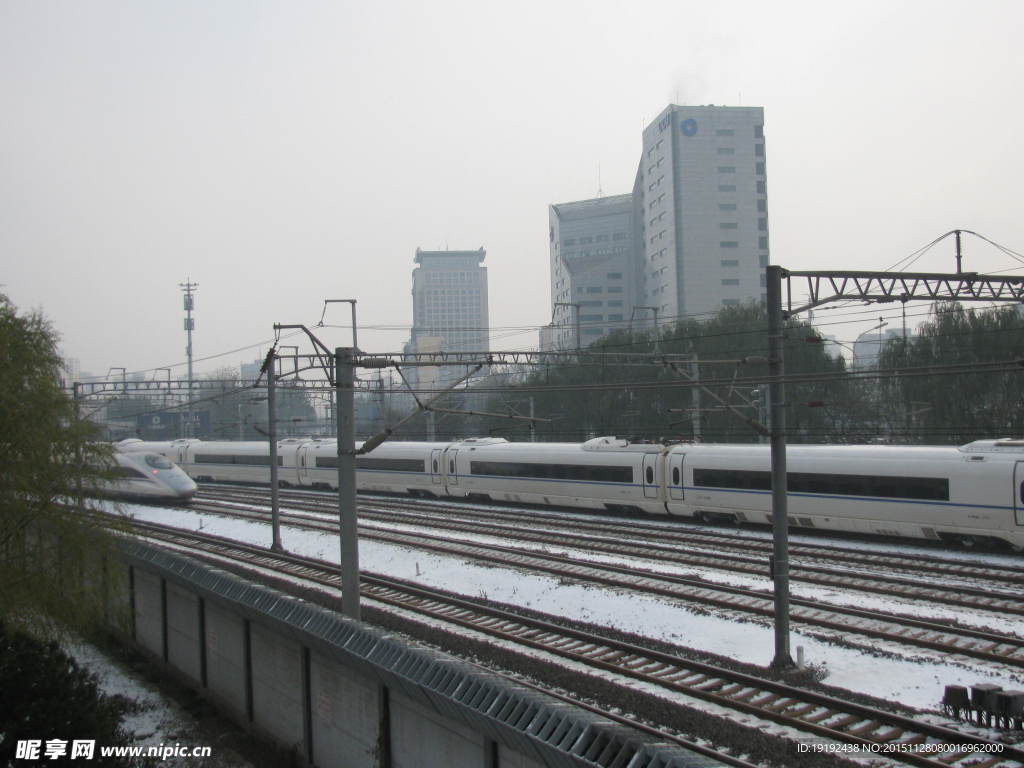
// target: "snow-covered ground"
[[155, 720], [915, 678]]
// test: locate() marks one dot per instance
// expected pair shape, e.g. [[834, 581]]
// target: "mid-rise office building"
[[696, 225], [591, 244], [449, 301]]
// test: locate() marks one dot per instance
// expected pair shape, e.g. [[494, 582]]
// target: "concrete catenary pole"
[[275, 502], [344, 378], [780, 510]]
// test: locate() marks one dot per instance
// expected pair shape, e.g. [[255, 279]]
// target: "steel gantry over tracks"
[[826, 287]]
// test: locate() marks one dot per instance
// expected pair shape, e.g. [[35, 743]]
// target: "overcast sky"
[[283, 153]]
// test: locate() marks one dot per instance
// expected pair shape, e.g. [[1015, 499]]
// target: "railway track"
[[742, 552], [1006, 650], [883, 734]]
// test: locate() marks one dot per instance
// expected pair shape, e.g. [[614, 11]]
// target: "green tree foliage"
[[47, 457], [638, 400], [45, 695], [965, 405]]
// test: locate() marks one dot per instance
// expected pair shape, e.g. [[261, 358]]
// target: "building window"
[[725, 132], [759, 169], [614, 289], [762, 260], [761, 188], [761, 206], [726, 151], [601, 239], [730, 262], [615, 303], [762, 243], [759, 150], [728, 225], [569, 241], [758, 131], [727, 206], [619, 236], [729, 244], [614, 275], [591, 318], [762, 225], [726, 187], [586, 240], [612, 318], [730, 281], [594, 289], [728, 169]]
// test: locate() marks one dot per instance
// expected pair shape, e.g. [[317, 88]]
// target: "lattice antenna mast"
[[189, 288]]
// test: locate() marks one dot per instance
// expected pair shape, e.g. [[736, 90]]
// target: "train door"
[[302, 456], [650, 470], [435, 466], [453, 474], [1018, 491], [675, 476]]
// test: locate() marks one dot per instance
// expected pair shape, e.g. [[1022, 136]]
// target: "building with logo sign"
[[698, 223]]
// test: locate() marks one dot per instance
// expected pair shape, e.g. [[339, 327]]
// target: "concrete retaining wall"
[[342, 694]]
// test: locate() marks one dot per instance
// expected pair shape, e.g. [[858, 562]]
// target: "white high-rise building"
[[700, 203]]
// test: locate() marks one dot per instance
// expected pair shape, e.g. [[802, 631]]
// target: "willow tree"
[[48, 552]]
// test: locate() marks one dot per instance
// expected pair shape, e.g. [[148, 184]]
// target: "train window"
[[1022, 493], [451, 466], [675, 476], [156, 461], [435, 466], [247, 460], [650, 475], [393, 465], [586, 472], [893, 487]]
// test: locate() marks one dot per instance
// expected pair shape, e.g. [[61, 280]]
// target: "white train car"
[[392, 467], [969, 494], [603, 473]]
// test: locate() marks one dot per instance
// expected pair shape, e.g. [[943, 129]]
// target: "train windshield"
[[156, 461]]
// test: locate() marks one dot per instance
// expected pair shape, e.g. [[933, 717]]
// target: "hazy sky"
[[281, 153]]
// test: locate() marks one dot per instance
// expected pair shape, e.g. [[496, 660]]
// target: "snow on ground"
[[155, 720], [915, 679]]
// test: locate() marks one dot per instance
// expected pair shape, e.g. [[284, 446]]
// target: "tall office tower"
[[449, 302], [700, 206], [591, 243]]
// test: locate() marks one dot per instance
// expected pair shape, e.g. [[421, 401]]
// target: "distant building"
[[698, 225], [868, 346], [591, 246], [449, 303]]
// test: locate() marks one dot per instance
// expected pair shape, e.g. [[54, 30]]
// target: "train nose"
[[181, 482]]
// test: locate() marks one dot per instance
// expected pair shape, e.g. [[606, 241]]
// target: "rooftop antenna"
[[599, 192]]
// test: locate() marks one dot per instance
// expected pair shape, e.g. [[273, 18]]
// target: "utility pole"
[[188, 287], [780, 510]]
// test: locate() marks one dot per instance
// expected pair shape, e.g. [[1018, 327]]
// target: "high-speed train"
[[142, 475], [971, 493]]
